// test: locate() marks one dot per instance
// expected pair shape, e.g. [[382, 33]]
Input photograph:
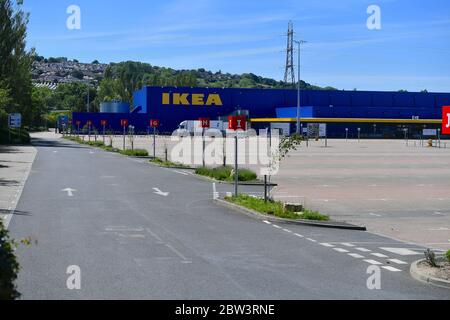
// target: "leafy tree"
[[41, 100], [73, 97], [15, 66], [111, 90]]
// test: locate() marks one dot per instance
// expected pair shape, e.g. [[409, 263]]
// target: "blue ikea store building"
[[377, 114]]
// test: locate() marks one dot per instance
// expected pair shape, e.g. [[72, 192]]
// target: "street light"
[[299, 43]]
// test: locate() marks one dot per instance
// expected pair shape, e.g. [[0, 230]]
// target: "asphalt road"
[[131, 241]]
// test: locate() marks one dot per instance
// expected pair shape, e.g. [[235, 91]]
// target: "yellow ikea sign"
[[194, 99]]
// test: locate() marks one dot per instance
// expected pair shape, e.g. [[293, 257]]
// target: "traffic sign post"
[[439, 137], [71, 128], [14, 122], [78, 123], [89, 124], [323, 132], [104, 123], [131, 136], [359, 134], [236, 123], [205, 123], [154, 123], [124, 124]]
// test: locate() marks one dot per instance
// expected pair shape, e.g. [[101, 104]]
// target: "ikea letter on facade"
[[194, 99]]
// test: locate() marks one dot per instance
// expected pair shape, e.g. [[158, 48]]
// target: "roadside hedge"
[[9, 267], [23, 138]]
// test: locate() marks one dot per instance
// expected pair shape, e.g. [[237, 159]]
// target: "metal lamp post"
[[299, 43]]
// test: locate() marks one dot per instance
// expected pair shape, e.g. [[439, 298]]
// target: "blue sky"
[[411, 51]]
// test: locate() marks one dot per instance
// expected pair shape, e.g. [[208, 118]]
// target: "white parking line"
[[267, 222], [286, 230], [401, 251], [327, 245], [391, 269], [299, 235], [312, 240], [347, 244], [181, 172], [275, 226], [379, 255], [355, 255], [373, 262], [398, 261], [341, 250], [375, 215], [363, 249]]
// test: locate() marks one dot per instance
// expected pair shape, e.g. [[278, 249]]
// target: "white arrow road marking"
[[160, 193], [69, 191]]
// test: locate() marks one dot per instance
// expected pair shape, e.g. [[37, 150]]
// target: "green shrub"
[[110, 149], [245, 175], [226, 173], [95, 143], [314, 215], [16, 138], [134, 153], [9, 267], [447, 255], [164, 163]]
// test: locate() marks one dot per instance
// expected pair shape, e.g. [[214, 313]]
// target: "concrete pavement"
[[15, 166], [132, 242]]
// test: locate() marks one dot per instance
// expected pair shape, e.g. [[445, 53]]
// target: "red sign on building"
[[78, 123], [104, 123], [154, 123], [89, 123], [205, 123], [237, 123], [446, 120], [124, 122]]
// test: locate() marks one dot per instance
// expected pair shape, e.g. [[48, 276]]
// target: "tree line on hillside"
[[39, 106], [121, 80]]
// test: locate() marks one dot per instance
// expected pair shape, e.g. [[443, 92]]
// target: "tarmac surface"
[[137, 231], [394, 188]]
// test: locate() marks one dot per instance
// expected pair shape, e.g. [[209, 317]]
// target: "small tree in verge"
[[287, 145]]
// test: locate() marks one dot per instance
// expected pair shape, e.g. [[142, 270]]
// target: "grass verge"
[[275, 208], [134, 152], [100, 144], [447, 255], [226, 173], [164, 163]]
